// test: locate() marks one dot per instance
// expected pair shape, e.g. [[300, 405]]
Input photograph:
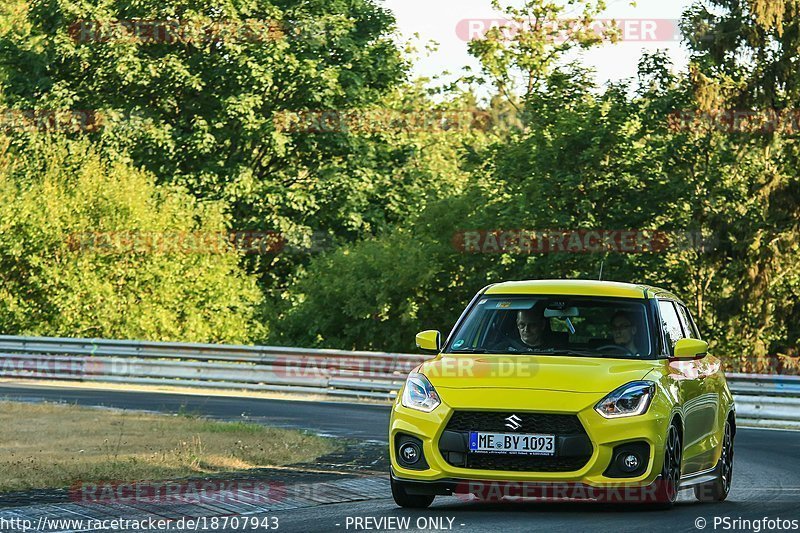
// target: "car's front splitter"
[[494, 490]]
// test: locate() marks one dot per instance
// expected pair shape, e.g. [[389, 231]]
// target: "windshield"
[[558, 325]]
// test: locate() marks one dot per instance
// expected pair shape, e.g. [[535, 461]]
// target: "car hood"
[[539, 372]]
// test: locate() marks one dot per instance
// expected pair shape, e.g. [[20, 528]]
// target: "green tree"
[[584, 158], [194, 91], [744, 55], [71, 265]]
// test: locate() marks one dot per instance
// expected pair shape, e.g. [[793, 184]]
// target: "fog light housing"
[[629, 460], [408, 451]]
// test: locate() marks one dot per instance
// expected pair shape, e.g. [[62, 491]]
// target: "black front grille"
[[464, 421], [573, 448]]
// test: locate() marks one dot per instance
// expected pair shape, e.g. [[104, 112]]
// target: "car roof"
[[580, 287]]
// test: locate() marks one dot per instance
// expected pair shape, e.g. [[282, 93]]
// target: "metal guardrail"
[[762, 400], [259, 368], [766, 400]]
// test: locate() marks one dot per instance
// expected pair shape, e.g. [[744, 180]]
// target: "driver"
[[531, 327], [624, 331]]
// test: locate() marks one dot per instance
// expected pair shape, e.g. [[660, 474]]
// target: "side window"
[[670, 323], [687, 322]]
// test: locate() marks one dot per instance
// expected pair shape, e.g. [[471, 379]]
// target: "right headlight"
[[632, 399], [419, 394]]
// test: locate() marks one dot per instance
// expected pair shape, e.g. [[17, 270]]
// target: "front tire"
[[667, 492], [718, 490], [410, 501]]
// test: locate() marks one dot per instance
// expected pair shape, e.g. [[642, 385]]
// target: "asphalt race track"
[[337, 419], [766, 475]]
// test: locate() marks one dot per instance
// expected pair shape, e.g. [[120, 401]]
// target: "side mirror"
[[430, 341], [687, 349]]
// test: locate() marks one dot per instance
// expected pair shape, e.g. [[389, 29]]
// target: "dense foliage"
[[75, 260], [215, 133]]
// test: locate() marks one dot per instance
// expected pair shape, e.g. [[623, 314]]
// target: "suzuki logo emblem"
[[514, 422]]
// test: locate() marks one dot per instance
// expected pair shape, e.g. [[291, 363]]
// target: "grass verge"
[[54, 446]]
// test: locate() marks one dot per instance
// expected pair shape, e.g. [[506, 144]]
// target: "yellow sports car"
[[565, 390]]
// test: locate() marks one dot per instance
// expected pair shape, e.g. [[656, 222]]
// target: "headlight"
[[419, 394], [629, 400]]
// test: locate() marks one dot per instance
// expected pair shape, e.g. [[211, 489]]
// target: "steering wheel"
[[622, 349], [508, 342]]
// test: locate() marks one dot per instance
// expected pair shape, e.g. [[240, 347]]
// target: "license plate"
[[512, 443]]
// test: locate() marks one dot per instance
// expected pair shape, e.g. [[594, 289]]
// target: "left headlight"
[[419, 394], [631, 399]]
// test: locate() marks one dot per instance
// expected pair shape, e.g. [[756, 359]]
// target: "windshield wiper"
[[537, 351], [484, 351], [579, 353]]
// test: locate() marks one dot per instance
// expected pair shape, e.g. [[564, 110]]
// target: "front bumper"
[[604, 435]]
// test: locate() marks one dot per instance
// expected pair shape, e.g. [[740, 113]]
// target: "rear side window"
[[688, 323], [670, 323]]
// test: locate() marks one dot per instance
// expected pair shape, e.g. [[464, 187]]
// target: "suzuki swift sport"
[[565, 390]]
